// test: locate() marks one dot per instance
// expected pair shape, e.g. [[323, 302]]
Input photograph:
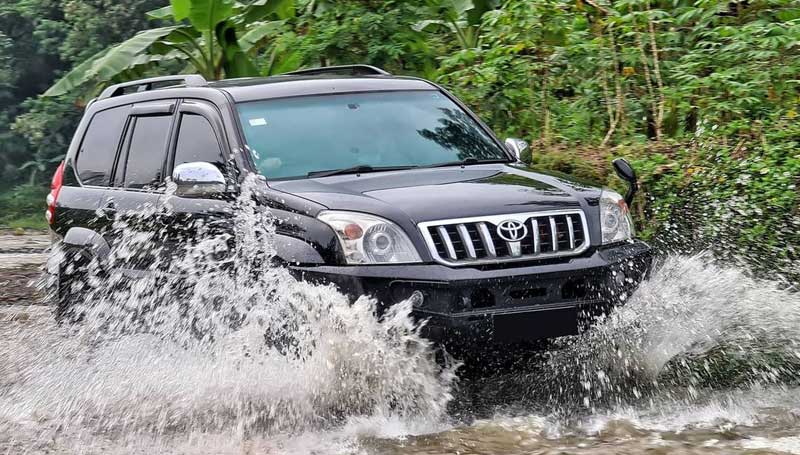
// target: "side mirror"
[[516, 146], [198, 179], [625, 172]]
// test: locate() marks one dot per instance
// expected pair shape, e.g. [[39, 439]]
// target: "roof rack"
[[191, 80], [353, 70]]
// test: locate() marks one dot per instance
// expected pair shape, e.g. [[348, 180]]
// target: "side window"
[[148, 147], [99, 146], [197, 142]]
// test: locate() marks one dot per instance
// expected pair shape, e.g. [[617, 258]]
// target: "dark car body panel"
[[408, 197], [412, 196], [466, 307]]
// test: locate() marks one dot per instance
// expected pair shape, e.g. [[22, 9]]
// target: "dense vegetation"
[[701, 94]]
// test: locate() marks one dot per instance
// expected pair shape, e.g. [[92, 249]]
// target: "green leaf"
[[283, 61], [258, 32], [160, 13], [75, 78], [180, 9], [121, 56], [205, 15], [234, 61], [422, 25], [462, 6], [28, 164], [265, 9], [108, 63]]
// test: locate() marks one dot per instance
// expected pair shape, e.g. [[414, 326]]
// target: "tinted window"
[[291, 137], [197, 142], [99, 147], [146, 152]]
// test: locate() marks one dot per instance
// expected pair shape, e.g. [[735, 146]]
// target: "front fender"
[[295, 251]]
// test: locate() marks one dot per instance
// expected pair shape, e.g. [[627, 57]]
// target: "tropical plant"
[[39, 166], [366, 31], [215, 38], [462, 19]]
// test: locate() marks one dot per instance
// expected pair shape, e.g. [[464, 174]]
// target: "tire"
[[73, 284]]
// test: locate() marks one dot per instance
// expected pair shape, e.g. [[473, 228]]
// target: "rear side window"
[[197, 142], [148, 147], [99, 146]]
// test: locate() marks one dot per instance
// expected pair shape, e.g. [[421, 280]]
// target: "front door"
[[199, 137]]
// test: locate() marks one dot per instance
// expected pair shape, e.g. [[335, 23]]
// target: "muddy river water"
[[702, 359]]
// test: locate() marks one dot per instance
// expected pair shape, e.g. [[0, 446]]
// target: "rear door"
[[133, 203], [94, 165]]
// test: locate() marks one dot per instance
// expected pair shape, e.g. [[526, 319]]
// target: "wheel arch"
[[87, 241]]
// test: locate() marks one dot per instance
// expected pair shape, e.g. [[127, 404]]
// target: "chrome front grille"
[[504, 238]]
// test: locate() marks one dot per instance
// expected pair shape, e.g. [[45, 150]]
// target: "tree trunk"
[[656, 70], [648, 81], [546, 110], [619, 95]]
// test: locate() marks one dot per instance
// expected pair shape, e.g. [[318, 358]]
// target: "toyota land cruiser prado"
[[382, 185]]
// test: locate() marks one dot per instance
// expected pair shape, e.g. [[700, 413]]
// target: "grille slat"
[[537, 244], [467, 241], [451, 251], [553, 233], [571, 233], [477, 240], [486, 238]]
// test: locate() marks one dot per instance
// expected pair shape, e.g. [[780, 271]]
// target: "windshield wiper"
[[466, 162], [365, 168], [360, 169]]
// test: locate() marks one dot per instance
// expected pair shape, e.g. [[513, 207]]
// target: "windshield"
[[292, 137]]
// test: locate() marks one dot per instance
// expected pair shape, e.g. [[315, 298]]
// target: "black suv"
[[383, 185]]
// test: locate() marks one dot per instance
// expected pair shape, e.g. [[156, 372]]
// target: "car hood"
[[443, 193]]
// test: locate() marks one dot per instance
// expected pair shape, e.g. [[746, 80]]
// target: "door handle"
[[108, 210]]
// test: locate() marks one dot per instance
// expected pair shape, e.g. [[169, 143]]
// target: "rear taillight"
[[55, 188]]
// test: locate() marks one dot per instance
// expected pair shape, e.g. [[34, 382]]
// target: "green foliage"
[[741, 197], [702, 95], [24, 207], [203, 33], [38, 40], [373, 32], [462, 19]]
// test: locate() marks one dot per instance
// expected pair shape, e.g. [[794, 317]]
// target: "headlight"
[[615, 219], [368, 239]]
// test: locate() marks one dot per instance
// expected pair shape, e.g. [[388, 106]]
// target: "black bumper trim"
[[460, 304]]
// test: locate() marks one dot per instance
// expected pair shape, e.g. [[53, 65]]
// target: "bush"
[[24, 207]]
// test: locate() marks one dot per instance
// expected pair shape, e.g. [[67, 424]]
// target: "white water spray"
[[224, 345]]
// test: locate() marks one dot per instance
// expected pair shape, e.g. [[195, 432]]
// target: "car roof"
[[260, 88]]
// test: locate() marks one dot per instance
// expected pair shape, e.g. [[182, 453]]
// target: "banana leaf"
[[258, 32], [74, 78], [108, 63], [235, 62]]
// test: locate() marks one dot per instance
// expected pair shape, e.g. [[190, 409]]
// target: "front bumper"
[[480, 306]]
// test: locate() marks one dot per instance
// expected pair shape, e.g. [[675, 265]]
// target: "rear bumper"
[[465, 307]]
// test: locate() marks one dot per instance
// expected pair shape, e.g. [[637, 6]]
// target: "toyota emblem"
[[512, 230]]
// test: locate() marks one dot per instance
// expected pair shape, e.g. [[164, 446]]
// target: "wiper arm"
[[360, 169], [466, 162], [364, 168]]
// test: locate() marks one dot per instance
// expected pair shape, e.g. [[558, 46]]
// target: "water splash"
[[694, 324], [222, 344], [237, 355]]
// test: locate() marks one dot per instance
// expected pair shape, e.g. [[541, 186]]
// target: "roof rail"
[[191, 80], [353, 70]]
